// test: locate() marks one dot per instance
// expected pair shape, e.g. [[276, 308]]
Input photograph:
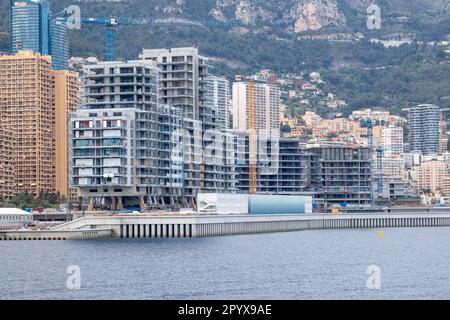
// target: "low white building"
[[12, 219]]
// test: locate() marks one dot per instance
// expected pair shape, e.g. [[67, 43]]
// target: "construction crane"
[[253, 183], [380, 169], [369, 124], [111, 25]]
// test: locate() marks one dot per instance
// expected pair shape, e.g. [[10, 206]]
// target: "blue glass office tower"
[[32, 27], [59, 43]]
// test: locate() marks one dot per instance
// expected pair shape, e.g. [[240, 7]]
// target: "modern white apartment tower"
[[130, 152], [218, 95], [114, 136], [181, 75], [266, 103], [392, 141]]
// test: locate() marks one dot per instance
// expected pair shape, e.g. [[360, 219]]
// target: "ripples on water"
[[324, 264]]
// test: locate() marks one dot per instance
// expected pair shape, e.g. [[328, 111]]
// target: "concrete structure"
[[445, 186], [430, 175], [24, 235], [332, 173], [114, 136], [392, 141], [444, 131], [391, 166], [191, 160], [424, 129], [13, 219], [311, 119], [67, 100], [218, 94], [153, 226], [340, 175], [266, 103], [34, 103], [6, 163], [397, 190], [181, 75], [282, 166], [130, 152]]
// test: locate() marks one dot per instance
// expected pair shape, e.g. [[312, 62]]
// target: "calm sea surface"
[[328, 264]]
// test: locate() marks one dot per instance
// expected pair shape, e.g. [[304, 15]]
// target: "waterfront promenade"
[[192, 226]]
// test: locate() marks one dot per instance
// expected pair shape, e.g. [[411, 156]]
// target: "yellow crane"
[[253, 183]]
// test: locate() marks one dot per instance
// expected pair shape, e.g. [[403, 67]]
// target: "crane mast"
[[252, 140]]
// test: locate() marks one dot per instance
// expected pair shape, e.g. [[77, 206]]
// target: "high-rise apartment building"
[[26, 109], [181, 75], [391, 167], [266, 101], [114, 145], [392, 141], [128, 152], [218, 95], [66, 102], [430, 175], [6, 163], [32, 27], [33, 103], [424, 129]]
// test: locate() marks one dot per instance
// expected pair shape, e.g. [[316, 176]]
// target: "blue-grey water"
[[328, 264]]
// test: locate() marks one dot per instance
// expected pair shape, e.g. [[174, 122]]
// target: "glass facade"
[[33, 28], [59, 43], [30, 26]]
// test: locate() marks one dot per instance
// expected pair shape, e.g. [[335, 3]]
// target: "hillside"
[[244, 36]]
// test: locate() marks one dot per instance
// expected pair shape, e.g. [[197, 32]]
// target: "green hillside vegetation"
[[362, 73]]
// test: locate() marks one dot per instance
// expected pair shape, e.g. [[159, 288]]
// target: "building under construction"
[[129, 152], [334, 174], [340, 174], [281, 166]]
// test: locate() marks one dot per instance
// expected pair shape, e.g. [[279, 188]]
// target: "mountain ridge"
[[250, 35]]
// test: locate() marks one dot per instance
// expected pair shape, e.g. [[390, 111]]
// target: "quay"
[[81, 234], [193, 226]]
